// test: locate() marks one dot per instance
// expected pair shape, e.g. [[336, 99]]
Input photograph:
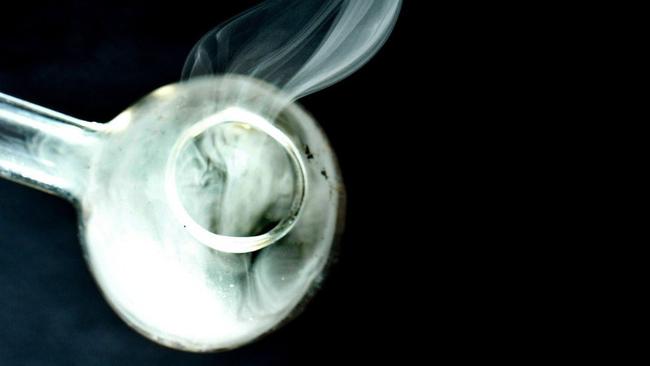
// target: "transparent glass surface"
[[209, 209]]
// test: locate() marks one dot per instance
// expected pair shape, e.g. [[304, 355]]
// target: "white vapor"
[[299, 46]]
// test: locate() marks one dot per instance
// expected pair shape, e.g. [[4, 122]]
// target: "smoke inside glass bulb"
[[235, 180]]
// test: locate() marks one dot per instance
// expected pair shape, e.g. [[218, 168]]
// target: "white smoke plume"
[[300, 46]]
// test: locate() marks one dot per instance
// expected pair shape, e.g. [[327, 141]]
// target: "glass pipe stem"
[[45, 149]]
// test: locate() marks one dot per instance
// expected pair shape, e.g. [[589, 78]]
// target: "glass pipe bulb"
[[208, 210]]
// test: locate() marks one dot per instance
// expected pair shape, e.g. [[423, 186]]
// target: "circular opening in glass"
[[236, 182]]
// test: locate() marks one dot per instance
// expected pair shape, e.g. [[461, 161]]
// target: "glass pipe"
[[208, 210]]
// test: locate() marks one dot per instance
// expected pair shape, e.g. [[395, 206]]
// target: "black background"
[[91, 60]]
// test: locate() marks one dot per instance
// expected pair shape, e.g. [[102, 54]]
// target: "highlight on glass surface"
[[210, 208]]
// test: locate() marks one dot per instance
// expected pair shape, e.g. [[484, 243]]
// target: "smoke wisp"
[[296, 45]]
